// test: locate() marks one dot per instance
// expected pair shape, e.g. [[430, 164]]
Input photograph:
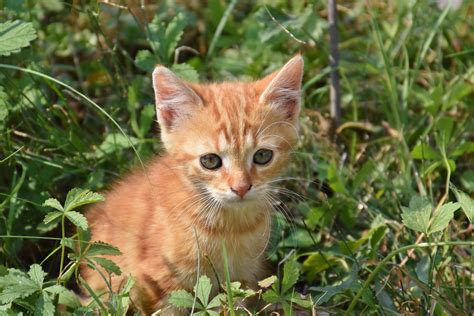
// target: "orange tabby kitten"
[[225, 143]]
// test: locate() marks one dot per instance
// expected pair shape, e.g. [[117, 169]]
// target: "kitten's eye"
[[262, 156], [211, 161]]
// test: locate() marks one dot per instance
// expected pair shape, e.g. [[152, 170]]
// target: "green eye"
[[211, 161], [262, 156]]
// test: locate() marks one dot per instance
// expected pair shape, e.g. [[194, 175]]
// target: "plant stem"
[[230, 298], [220, 28], [63, 246], [382, 263]]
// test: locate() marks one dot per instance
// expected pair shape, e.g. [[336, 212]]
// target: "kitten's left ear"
[[282, 89]]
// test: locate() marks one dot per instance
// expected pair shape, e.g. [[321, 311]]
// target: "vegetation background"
[[376, 215]]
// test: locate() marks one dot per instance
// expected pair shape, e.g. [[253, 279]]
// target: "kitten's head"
[[231, 139]]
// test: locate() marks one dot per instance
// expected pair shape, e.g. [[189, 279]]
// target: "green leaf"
[[77, 219], [173, 34], [69, 298], [44, 306], [291, 273], [77, 197], [15, 35], [186, 71], [443, 216], [108, 265], [237, 291], [55, 289], [183, 299], [52, 216], [145, 60], [203, 289], [147, 116], [16, 285], [267, 282], [467, 204], [423, 151], [467, 180], [271, 296], [54, 204], [100, 248], [37, 274], [417, 215], [328, 292], [318, 262], [216, 301], [112, 143]]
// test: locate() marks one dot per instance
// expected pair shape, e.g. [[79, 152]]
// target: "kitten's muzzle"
[[241, 190]]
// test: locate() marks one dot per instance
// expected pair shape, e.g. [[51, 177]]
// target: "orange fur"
[[175, 211]]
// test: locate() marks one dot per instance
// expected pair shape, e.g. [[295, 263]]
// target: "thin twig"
[[181, 49], [284, 28], [335, 91]]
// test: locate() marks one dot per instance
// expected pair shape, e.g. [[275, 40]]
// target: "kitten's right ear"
[[174, 98]]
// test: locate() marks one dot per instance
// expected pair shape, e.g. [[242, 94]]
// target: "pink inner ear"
[[282, 89], [167, 116], [174, 98]]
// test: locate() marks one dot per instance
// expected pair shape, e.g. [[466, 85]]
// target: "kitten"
[[225, 143]]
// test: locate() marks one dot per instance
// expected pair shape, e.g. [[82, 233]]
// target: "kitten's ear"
[[174, 98], [282, 89]]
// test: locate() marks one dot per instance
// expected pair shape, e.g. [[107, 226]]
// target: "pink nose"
[[241, 190]]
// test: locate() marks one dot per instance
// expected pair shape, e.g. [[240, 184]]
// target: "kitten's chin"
[[239, 203]]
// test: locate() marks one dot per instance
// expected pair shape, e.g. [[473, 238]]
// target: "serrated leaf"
[[267, 282], [78, 197], [37, 274], [182, 299], [54, 204], [108, 265], [173, 34], [271, 296], [443, 216], [102, 248], [186, 71], [291, 273], [52, 216], [467, 204], [216, 301], [44, 306], [417, 215], [203, 289], [15, 285], [15, 35], [77, 219], [145, 60]]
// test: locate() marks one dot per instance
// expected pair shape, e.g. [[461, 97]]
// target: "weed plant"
[[375, 215]]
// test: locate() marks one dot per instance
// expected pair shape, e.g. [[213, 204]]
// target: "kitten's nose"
[[241, 190]]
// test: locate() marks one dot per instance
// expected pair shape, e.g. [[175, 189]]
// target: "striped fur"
[[175, 213]]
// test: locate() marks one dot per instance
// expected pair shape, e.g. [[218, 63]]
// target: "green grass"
[[377, 222]]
